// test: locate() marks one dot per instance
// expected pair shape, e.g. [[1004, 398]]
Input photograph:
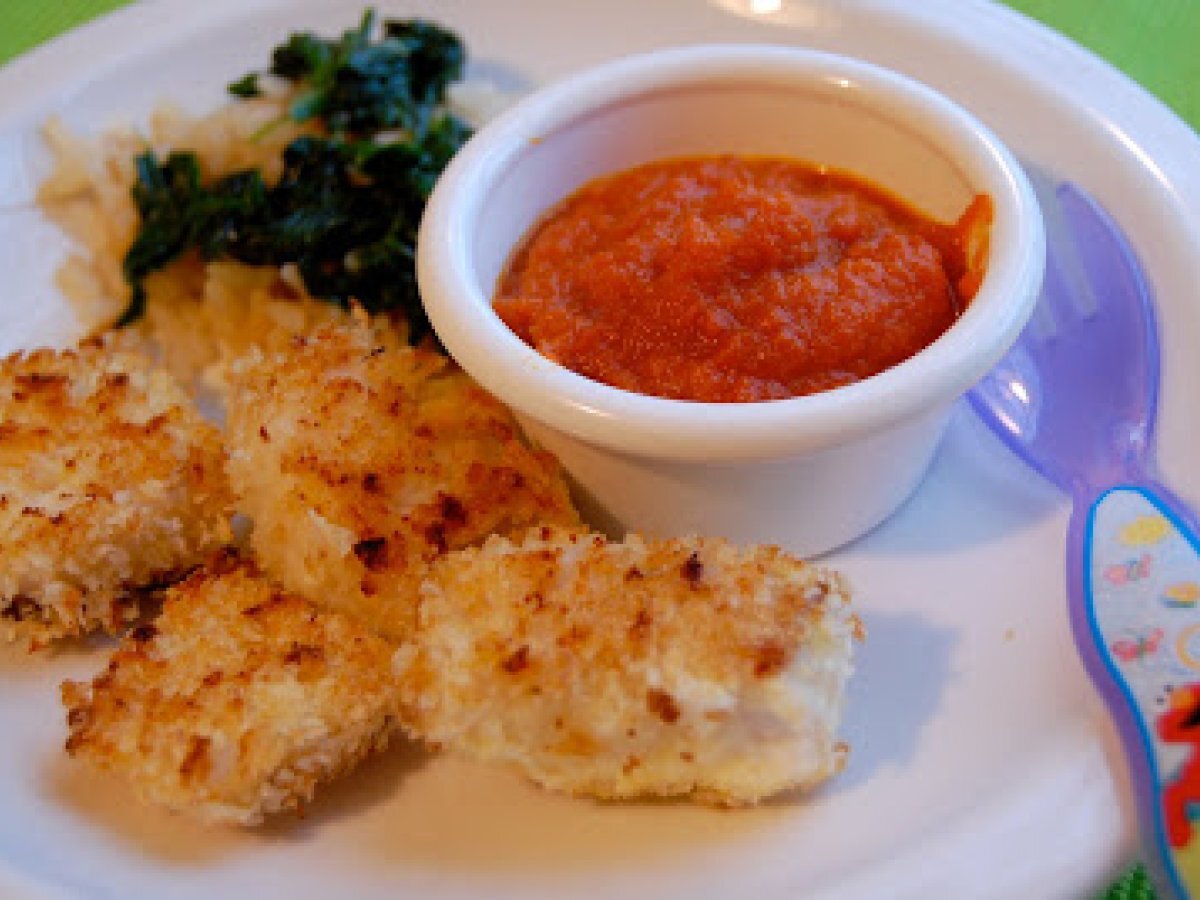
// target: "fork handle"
[[1133, 577]]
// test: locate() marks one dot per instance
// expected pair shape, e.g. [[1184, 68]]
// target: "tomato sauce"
[[731, 279]]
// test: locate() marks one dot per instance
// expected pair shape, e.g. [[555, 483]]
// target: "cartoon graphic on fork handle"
[[1180, 723], [1148, 645]]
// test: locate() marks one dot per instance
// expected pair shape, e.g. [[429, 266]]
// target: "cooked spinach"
[[246, 86], [346, 208], [360, 87]]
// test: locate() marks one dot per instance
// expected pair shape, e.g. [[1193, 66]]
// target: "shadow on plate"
[[975, 493], [479, 822], [515, 827], [77, 658], [376, 781], [106, 803], [408, 812], [902, 671]]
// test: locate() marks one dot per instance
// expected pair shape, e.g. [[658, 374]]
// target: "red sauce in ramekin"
[[732, 279]]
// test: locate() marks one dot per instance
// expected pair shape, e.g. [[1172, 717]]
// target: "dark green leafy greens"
[[347, 206], [360, 87]]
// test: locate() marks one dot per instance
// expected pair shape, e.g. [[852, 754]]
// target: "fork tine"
[[1107, 259], [1056, 304], [1114, 273]]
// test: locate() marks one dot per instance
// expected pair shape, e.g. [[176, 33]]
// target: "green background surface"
[[1155, 42]]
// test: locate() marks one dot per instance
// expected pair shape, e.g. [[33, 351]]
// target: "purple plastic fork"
[[1076, 399]]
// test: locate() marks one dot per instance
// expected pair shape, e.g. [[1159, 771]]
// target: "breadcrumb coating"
[[109, 481], [237, 701], [360, 461], [638, 668]]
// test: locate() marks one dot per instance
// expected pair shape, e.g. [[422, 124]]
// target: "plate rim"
[[1165, 138]]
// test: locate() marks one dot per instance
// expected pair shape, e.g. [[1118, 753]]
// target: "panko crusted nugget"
[[638, 668], [109, 481], [360, 461], [237, 701]]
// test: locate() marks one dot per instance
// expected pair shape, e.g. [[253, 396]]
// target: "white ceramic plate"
[[982, 764]]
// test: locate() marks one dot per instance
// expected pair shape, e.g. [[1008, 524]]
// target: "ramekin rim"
[[679, 429]]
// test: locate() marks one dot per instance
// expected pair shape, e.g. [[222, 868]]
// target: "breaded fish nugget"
[[237, 701], [638, 668], [109, 481], [360, 461]]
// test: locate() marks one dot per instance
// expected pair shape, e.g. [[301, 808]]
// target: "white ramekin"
[[808, 472]]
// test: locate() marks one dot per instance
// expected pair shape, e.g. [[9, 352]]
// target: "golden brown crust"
[[641, 667], [109, 481], [237, 701], [360, 461]]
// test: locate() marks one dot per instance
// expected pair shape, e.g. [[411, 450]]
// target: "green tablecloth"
[[1153, 41]]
